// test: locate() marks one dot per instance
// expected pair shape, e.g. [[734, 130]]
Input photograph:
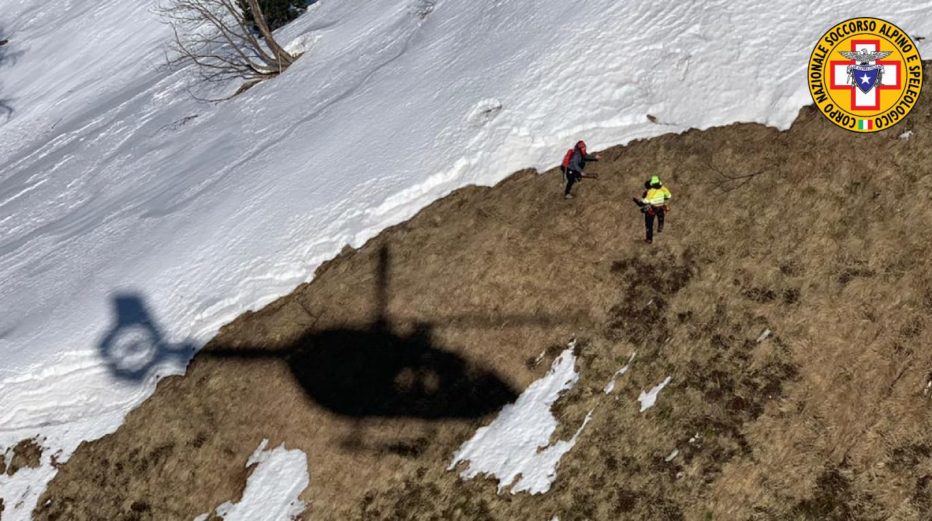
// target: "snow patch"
[[649, 398], [20, 492], [301, 44], [610, 386], [765, 334], [272, 490], [515, 448]]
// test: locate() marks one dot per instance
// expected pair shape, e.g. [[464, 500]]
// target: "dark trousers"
[[571, 177], [649, 221]]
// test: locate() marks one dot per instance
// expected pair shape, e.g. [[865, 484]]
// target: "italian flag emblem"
[[865, 124]]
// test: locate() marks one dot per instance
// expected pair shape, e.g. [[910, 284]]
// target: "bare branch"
[[215, 37]]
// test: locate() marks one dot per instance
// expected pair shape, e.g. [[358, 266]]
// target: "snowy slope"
[[132, 215]]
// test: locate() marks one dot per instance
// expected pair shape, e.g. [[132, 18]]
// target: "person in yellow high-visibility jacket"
[[655, 205]]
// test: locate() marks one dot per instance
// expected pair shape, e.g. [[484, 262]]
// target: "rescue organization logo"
[[865, 74]]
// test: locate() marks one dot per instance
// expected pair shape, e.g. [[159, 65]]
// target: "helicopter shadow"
[[377, 371], [373, 370]]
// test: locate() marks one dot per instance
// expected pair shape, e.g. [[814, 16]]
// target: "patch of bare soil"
[[25, 454], [396, 352]]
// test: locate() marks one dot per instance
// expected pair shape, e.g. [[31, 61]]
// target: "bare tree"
[[215, 36]]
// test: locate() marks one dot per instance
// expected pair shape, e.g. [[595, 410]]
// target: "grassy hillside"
[[398, 351]]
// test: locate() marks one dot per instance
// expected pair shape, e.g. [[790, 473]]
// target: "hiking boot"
[[568, 196], [648, 241], [660, 229]]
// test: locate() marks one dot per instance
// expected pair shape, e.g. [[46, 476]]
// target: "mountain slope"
[[124, 201], [796, 233]]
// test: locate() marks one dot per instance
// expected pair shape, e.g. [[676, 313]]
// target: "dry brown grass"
[[25, 454], [826, 246]]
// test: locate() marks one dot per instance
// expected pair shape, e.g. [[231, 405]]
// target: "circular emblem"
[[865, 74]]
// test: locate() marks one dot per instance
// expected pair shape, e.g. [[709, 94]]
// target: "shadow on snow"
[[134, 347]]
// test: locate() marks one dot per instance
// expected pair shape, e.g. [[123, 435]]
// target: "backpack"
[[566, 159]]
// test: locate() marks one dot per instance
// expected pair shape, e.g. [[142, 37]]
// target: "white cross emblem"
[[871, 99]]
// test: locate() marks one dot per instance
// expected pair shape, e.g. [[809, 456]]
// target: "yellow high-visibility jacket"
[[657, 196]]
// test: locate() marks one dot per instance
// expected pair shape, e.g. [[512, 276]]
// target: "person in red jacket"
[[573, 164]]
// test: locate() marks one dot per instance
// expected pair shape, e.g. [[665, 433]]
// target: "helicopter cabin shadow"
[[376, 371]]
